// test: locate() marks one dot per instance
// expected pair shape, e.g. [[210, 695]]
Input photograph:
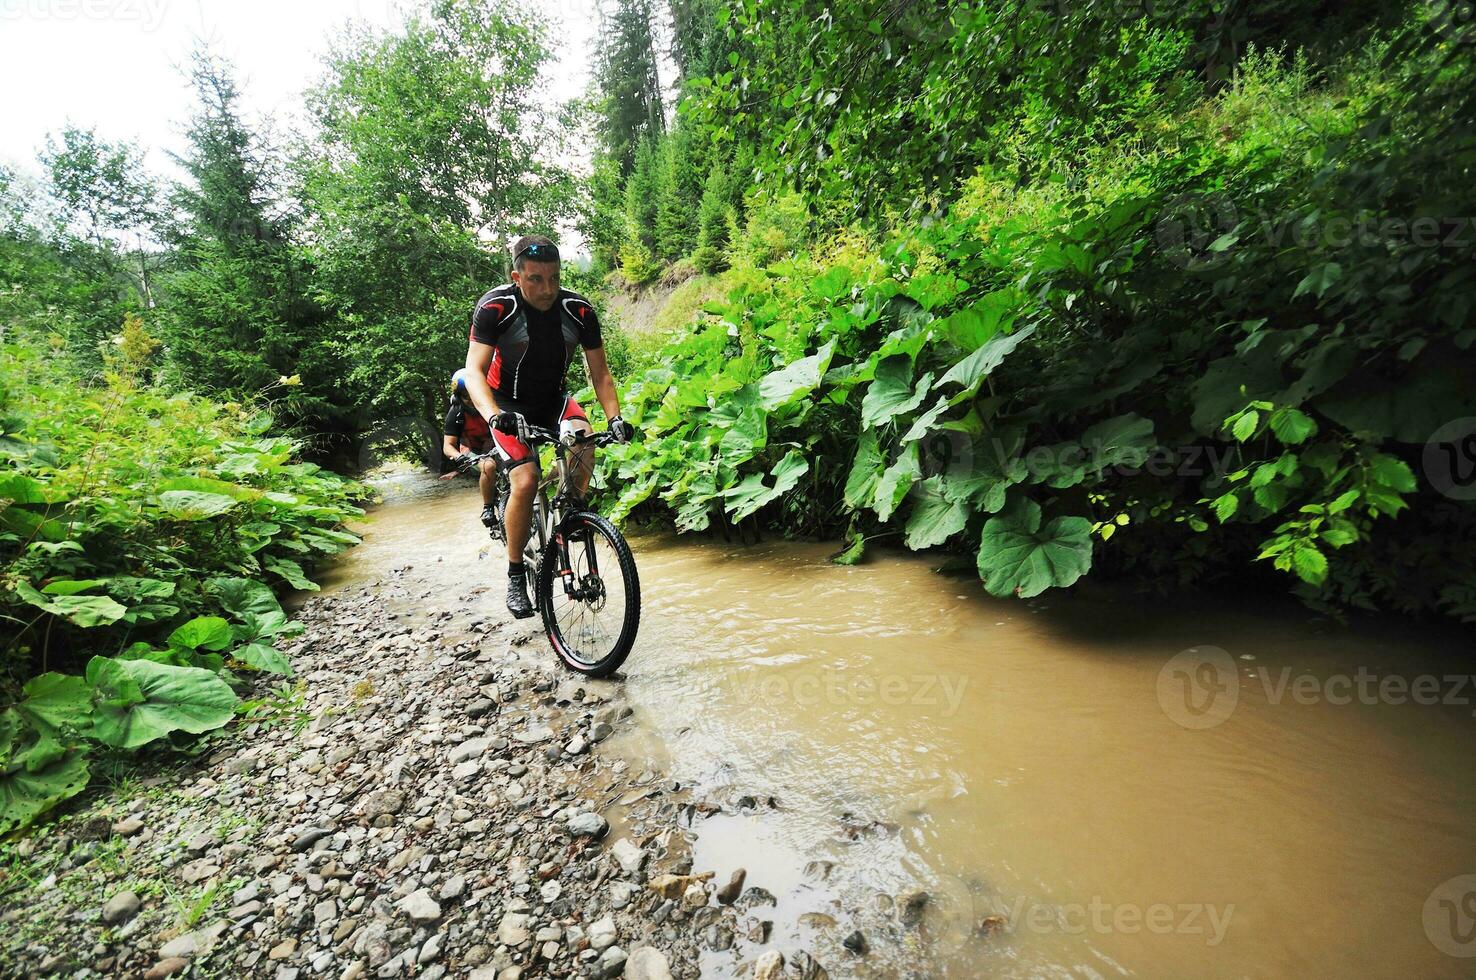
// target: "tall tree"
[[239, 317], [105, 196], [627, 77], [434, 148]]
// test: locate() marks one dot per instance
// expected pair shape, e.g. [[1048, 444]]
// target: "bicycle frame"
[[544, 542]]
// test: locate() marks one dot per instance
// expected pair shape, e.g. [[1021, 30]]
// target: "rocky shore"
[[429, 800]]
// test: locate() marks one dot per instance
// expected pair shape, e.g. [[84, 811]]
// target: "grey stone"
[[588, 824], [647, 963], [120, 908], [420, 907]]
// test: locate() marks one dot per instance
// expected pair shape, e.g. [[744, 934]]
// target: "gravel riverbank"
[[432, 802]]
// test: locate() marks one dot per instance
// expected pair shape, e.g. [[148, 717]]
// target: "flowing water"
[[1084, 786]]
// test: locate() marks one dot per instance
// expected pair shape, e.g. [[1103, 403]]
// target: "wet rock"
[[672, 886], [769, 966], [420, 907], [588, 824], [128, 826], [856, 943], [647, 963], [729, 893], [803, 966], [309, 837], [819, 870], [628, 856], [755, 897], [167, 967], [992, 924], [120, 908], [817, 920], [695, 897], [910, 906], [533, 734]]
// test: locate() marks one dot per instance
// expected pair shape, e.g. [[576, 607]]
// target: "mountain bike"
[[584, 576]]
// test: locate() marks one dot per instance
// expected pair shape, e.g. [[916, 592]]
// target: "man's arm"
[[603, 382], [478, 360], [449, 448]]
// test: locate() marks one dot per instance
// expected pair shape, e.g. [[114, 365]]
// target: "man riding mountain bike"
[[523, 337], [465, 437]]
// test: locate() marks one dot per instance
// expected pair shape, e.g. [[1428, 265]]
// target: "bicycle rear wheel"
[[589, 594]]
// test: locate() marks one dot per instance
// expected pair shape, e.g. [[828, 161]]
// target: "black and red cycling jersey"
[[467, 427], [532, 348]]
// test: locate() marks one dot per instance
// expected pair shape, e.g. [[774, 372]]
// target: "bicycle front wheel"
[[589, 594]]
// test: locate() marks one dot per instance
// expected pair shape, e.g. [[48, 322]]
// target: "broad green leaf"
[[866, 471], [853, 551], [243, 595], [26, 490], [896, 481], [1123, 441], [203, 484], [209, 632], [292, 572], [1309, 564], [795, 381], [1019, 557], [138, 701], [194, 505], [1292, 427], [54, 700], [1246, 425], [81, 610], [36, 777], [972, 370], [891, 392], [263, 657], [66, 586], [131, 589], [926, 421], [934, 518]]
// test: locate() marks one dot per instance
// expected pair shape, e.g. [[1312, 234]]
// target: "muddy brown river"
[[1085, 786]]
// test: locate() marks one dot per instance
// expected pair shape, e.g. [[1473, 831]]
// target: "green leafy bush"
[[138, 533]]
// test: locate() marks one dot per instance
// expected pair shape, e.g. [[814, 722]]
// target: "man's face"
[[539, 283]]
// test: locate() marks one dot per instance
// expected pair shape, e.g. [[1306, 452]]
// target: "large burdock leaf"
[[210, 632], [1019, 557], [194, 505], [81, 610], [972, 370], [292, 572], [751, 494], [53, 700], [896, 481], [795, 381], [866, 471], [243, 595], [137, 701], [891, 392], [935, 518], [36, 773], [264, 657]]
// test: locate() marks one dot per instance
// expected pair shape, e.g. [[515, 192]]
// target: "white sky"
[[116, 64]]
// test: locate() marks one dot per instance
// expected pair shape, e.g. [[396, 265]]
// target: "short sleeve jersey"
[[466, 427], [532, 348]]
